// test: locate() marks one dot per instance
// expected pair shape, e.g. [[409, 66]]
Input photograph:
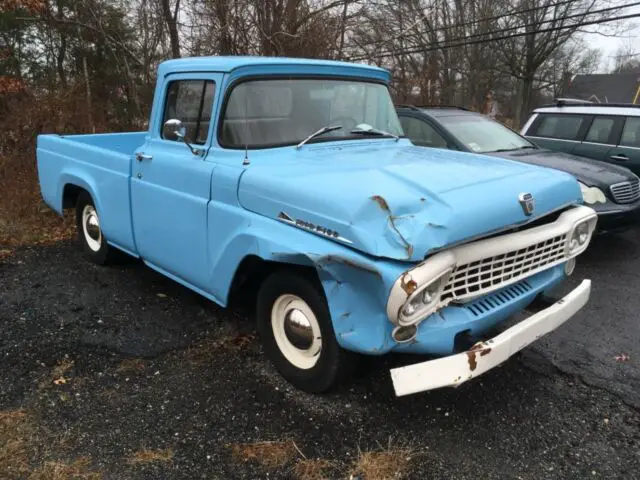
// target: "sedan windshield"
[[263, 113], [483, 135]]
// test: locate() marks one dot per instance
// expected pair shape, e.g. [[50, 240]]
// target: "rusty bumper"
[[453, 370]]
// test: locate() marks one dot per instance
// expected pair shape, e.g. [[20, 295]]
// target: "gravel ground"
[[106, 363]]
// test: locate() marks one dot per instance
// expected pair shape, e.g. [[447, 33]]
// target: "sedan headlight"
[[592, 195], [423, 301]]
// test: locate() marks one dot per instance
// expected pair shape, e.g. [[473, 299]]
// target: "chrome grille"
[[626, 192], [491, 273]]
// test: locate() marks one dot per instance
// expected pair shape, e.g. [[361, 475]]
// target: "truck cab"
[[294, 176]]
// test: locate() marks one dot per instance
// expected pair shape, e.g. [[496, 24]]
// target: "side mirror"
[[174, 130]]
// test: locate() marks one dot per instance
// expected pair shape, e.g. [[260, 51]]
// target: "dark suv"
[[613, 191], [607, 132]]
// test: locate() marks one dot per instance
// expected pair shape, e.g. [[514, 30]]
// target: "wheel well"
[[250, 274], [70, 195]]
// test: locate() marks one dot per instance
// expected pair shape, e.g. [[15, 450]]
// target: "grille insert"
[[493, 301], [491, 273], [626, 192]]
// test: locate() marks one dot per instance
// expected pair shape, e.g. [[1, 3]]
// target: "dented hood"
[[396, 200]]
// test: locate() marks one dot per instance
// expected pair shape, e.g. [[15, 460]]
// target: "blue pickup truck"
[[293, 175]]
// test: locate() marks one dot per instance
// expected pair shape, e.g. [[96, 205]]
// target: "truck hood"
[[399, 202]]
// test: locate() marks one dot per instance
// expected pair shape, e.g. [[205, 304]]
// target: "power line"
[[480, 20], [446, 45], [517, 27]]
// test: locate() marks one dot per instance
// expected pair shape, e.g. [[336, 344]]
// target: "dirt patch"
[[79, 469], [15, 430], [313, 469], [203, 352]]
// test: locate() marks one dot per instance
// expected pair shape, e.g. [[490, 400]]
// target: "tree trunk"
[[171, 20]]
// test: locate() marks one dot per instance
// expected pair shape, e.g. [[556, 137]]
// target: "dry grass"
[[15, 431], [131, 365], [143, 457], [205, 351], [392, 463], [270, 455], [312, 469], [79, 469]]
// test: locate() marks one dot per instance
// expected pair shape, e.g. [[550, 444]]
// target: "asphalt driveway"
[[119, 373]]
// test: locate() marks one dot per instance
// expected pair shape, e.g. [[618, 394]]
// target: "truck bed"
[[101, 164]]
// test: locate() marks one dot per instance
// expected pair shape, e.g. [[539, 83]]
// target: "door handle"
[[622, 158], [141, 156]]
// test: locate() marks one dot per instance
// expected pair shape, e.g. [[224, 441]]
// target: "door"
[[627, 152], [170, 187]]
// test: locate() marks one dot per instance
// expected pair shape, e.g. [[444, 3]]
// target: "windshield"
[[262, 113], [483, 135]]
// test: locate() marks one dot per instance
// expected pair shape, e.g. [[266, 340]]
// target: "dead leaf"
[[60, 381], [161, 295], [623, 357]]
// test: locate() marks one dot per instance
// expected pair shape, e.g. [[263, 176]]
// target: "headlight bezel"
[[422, 309], [590, 224]]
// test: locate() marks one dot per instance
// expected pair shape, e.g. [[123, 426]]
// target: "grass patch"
[[392, 463], [205, 351], [271, 455], [131, 365], [143, 457], [312, 469], [15, 430], [79, 469]]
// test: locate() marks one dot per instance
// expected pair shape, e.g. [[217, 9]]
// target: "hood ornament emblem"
[[527, 203]]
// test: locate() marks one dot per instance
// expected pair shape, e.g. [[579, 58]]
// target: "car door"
[[422, 133], [627, 150], [601, 137], [561, 132], [170, 187]]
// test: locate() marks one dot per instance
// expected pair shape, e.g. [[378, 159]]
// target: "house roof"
[[606, 88]]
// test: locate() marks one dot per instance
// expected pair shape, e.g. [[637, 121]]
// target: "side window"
[[600, 130], [631, 132], [565, 127], [421, 133], [191, 102]]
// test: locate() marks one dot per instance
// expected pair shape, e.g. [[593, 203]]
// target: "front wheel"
[[297, 334], [90, 235]]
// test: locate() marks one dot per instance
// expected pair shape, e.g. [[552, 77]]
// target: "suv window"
[[421, 133], [631, 132], [191, 102], [600, 130], [561, 126]]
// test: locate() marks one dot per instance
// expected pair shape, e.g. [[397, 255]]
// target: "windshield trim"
[[482, 118], [249, 78]]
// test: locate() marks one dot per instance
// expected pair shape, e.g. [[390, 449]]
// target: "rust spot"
[[471, 355], [478, 348], [408, 285], [382, 203]]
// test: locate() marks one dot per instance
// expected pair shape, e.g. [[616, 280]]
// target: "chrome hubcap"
[[297, 328], [296, 331], [91, 227]]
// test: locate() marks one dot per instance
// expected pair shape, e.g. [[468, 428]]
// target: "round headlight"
[[582, 233], [430, 293]]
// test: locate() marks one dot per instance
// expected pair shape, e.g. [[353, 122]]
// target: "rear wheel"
[[90, 237], [297, 334]]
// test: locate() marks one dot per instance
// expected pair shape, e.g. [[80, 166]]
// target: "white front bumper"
[[456, 369]]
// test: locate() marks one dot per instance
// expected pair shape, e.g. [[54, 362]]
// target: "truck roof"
[[230, 63]]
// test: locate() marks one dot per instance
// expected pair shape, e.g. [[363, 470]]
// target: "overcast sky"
[[610, 45]]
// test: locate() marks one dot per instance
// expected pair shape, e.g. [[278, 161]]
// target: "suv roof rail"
[[417, 107], [574, 102]]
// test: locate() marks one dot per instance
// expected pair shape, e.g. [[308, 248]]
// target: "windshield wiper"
[[322, 131], [374, 131]]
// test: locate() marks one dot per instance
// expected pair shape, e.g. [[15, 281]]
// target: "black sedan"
[[611, 190]]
